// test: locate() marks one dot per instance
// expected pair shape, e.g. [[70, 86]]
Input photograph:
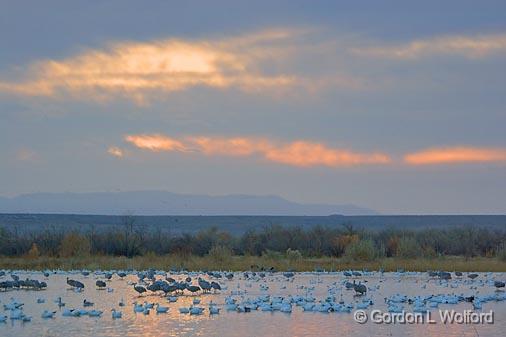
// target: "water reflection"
[[256, 323]]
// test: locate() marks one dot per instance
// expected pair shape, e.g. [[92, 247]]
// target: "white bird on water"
[[196, 310], [17, 314], [160, 309], [214, 310], [116, 314], [95, 313], [138, 307], [48, 314]]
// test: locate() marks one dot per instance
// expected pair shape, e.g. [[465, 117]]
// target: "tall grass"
[[241, 263], [501, 252]]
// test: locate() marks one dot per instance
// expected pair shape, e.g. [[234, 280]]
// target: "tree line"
[[131, 239]]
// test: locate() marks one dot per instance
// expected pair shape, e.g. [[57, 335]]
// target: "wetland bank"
[[133, 246]]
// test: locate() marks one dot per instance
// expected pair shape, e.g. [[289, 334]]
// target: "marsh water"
[[254, 323]]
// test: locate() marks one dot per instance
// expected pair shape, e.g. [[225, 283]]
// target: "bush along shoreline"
[[284, 247]]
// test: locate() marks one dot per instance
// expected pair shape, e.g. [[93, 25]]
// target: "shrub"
[[293, 254], [74, 244], [272, 254], [392, 245], [343, 241], [429, 252], [501, 252], [220, 254], [363, 250], [33, 253], [408, 247]]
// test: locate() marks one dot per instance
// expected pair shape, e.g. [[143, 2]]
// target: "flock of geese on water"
[[177, 283]]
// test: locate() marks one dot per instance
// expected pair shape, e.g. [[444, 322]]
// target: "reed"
[[246, 262]]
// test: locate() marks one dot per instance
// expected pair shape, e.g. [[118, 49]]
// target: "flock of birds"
[[176, 284]]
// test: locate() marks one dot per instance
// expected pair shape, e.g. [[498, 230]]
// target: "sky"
[[398, 106]]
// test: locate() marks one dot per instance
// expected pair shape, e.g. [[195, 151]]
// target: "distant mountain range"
[[167, 203]]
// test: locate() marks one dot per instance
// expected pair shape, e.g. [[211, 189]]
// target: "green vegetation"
[[362, 250], [409, 248], [501, 252], [133, 246]]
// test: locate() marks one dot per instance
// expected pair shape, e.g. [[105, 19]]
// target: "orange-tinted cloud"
[[26, 155], [156, 143], [136, 70], [302, 153], [455, 155], [298, 153], [238, 146], [468, 46], [115, 151]]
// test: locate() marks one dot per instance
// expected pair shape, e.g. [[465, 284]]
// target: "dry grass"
[[238, 263]]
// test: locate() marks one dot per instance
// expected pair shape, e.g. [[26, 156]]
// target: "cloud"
[[301, 153], [468, 46], [298, 153], [115, 151], [270, 62], [136, 70], [156, 143], [456, 155], [26, 155]]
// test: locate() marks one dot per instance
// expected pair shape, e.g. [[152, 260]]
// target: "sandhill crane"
[[359, 288], [75, 284], [215, 285], [59, 302], [206, 286], [87, 303], [499, 284], [139, 289], [445, 275], [192, 289]]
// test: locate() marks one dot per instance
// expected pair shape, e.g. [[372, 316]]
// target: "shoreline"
[[243, 263]]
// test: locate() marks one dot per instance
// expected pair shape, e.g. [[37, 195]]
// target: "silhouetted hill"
[[166, 203]]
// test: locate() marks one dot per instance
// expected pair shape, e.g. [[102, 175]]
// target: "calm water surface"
[[255, 323]]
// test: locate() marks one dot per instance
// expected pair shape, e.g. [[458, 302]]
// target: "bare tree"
[[128, 224], [348, 227]]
